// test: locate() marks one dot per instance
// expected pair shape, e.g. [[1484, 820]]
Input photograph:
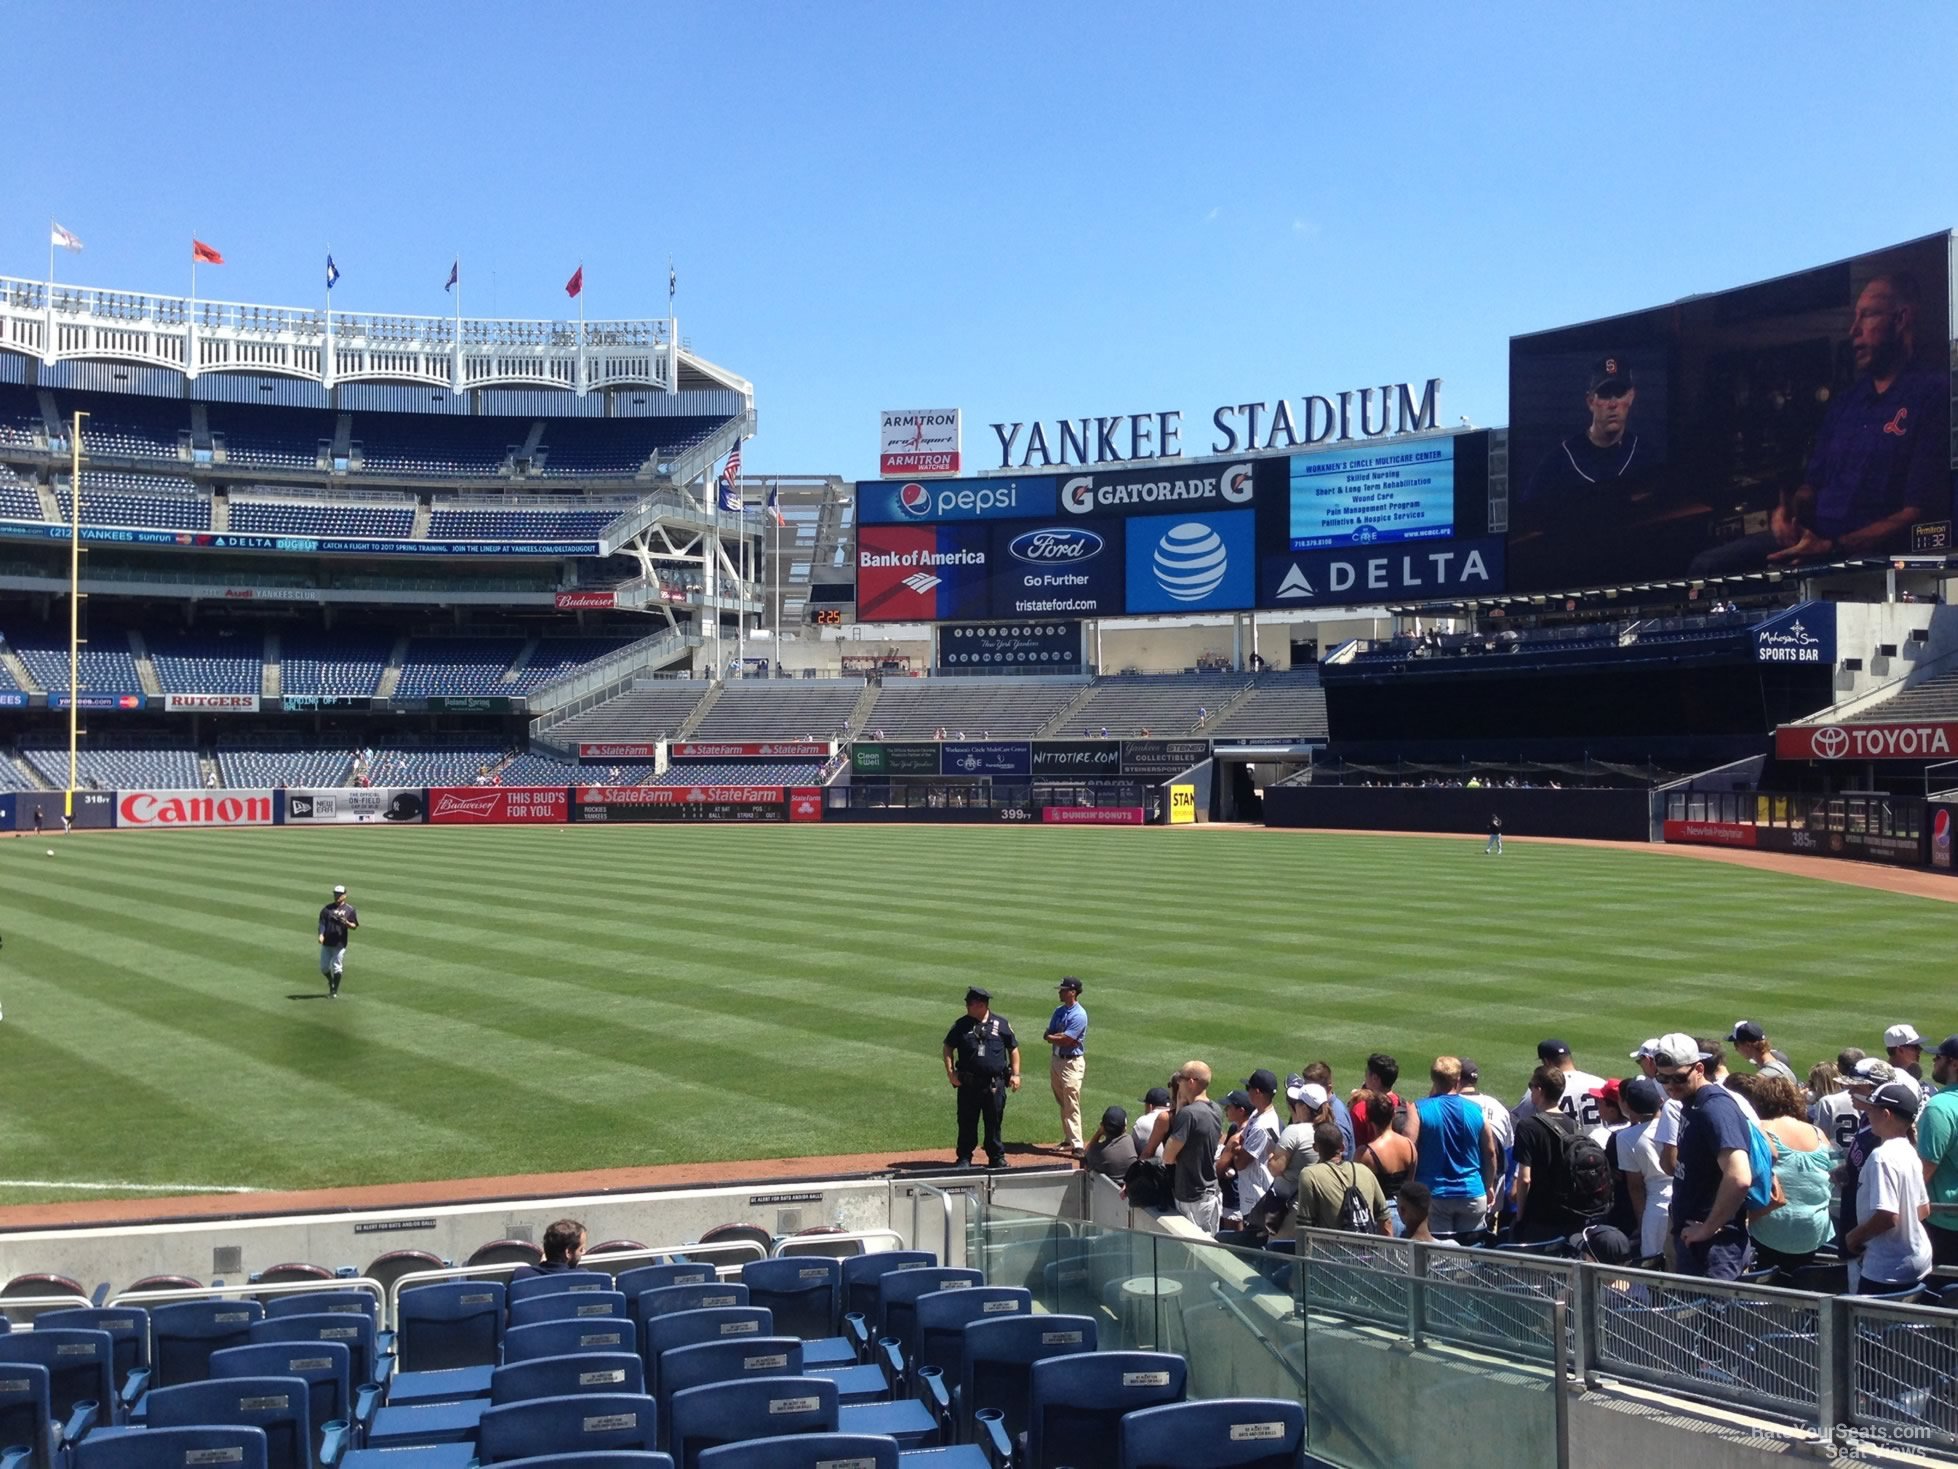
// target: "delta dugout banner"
[[498, 805]]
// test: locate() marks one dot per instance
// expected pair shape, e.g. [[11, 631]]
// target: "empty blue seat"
[[805, 1451], [207, 1446], [718, 1413], [80, 1366], [29, 1436], [567, 1305], [1219, 1433], [326, 1367], [455, 1323], [663, 1300], [898, 1293], [862, 1272], [999, 1358], [566, 1425], [724, 1361], [636, 1282], [1075, 1403], [567, 1338], [553, 1281], [596, 1459], [571, 1376], [659, 1334], [325, 1303], [129, 1335], [942, 1317], [352, 1330], [805, 1292], [279, 1405], [185, 1333]]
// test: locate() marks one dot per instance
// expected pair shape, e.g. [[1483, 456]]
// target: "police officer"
[[337, 920], [982, 1062]]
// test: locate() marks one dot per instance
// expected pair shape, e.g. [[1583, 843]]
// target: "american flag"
[[731, 481]]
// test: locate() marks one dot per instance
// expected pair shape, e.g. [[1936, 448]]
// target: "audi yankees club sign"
[[1930, 740]]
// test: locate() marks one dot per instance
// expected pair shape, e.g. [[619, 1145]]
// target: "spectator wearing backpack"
[[1563, 1181], [1335, 1193], [1575, 1100], [1710, 1185], [1787, 1234], [1457, 1158], [1937, 1145]]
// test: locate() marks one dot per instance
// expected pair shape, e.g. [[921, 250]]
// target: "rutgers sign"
[[1930, 741], [193, 808]]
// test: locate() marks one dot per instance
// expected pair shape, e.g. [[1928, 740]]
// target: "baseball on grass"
[[50, 851]]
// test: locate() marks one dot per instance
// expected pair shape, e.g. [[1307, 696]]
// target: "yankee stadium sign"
[[1358, 413]]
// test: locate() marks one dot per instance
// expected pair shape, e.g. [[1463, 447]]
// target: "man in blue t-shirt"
[[1457, 1156], [1067, 1033], [1709, 1191], [1881, 460]]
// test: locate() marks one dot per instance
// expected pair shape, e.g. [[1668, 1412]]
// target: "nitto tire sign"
[[1934, 741], [194, 808]]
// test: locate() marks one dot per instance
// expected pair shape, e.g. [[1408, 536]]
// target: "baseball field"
[[536, 999]]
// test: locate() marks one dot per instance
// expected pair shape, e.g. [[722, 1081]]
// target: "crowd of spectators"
[[1681, 1163]]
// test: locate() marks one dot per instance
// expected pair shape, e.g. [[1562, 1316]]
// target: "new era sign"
[[1931, 740]]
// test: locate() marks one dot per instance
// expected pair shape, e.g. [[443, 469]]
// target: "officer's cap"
[[975, 993]]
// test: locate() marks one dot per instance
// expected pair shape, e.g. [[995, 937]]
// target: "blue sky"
[[1026, 211]]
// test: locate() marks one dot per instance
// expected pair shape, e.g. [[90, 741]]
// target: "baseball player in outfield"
[[337, 920], [1494, 844]]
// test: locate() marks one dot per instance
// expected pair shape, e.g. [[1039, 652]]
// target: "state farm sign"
[[1929, 741], [752, 750], [194, 808], [618, 752], [496, 805]]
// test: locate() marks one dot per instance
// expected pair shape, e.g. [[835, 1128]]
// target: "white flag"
[[65, 240]]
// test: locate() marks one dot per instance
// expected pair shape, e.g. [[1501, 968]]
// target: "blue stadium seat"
[[325, 1367], [942, 1317], [596, 1459], [553, 1282], [80, 1365], [279, 1405], [1075, 1403], [567, 1338], [862, 1272], [636, 1282], [666, 1299], [1220, 1433], [457, 1323], [898, 1293], [805, 1451], [567, 1305], [207, 1446], [354, 1331], [659, 1334], [557, 1426], [129, 1333], [719, 1413], [724, 1361], [565, 1377], [999, 1358], [29, 1436], [185, 1333], [805, 1293]]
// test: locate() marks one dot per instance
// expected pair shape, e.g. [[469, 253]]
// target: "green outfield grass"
[[530, 999]]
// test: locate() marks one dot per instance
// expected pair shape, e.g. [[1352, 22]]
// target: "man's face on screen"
[[1610, 410], [1876, 336]]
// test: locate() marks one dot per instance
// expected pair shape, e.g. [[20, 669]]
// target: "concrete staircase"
[[423, 513], [522, 661], [145, 669], [10, 660], [1066, 713], [271, 682], [860, 711], [391, 675], [700, 710]]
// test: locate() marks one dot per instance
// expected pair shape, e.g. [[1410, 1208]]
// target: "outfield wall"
[[1616, 816]]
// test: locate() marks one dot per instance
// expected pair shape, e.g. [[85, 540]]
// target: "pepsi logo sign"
[[1057, 545], [914, 500]]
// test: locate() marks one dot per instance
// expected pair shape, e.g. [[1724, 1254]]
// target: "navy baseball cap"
[[975, 993], [1641, 1095], [1746, 1030], [1156, 1096], [1069, 982], [1239, 1099], [1114, 1119], [1551, 1050], [1610, 373], [1470, 1071], [1948, 1048], [1262, 1080]]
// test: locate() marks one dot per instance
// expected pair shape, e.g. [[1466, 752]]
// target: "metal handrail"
[[60, 1300], [250, 1288], [813, 1244], [745, 1250], [945, 1203]]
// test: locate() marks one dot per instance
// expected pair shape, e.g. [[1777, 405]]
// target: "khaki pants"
[[1066, 1076]]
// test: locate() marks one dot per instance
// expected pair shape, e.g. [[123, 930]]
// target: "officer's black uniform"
[[982, 1055]]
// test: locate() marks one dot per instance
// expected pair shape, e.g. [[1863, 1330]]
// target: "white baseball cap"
[[1647, 1049], [1676, 1048], [339, 889], [1902, 1035], [1310, 1093]]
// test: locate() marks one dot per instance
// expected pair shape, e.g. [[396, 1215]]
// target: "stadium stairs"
[[700, 711], [146, 677], [10, 660], [391, 675], [272, 681], [1066, 712]]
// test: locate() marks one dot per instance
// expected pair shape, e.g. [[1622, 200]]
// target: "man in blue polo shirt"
[[1709, 1191], [1067, 1033], [1881, 461]]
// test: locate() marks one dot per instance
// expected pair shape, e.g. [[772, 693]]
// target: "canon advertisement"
[[154, 808], [497, 805], [357, 806]]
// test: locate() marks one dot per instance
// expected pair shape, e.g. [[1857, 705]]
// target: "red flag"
[[201, 251], [577, 282]]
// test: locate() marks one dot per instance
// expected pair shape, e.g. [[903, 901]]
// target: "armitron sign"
[[1933, 740], [194, 808]]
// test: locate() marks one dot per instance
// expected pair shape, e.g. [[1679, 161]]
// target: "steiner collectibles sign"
[[1358, 413]]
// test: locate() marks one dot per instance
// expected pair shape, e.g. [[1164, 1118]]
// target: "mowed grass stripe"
[[552, 998]]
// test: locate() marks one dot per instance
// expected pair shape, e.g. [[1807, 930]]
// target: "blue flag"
[[332, 272]]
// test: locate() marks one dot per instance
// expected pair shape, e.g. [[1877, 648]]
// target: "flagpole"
[[775, 518]]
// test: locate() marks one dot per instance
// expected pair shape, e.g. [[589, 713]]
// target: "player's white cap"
[[1902, 1035], [339, 890]]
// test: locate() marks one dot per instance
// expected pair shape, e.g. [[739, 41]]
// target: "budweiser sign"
[[572, 601], [1928, 741], [194, 808], [794, 750], [618, 752], [497, 805]]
